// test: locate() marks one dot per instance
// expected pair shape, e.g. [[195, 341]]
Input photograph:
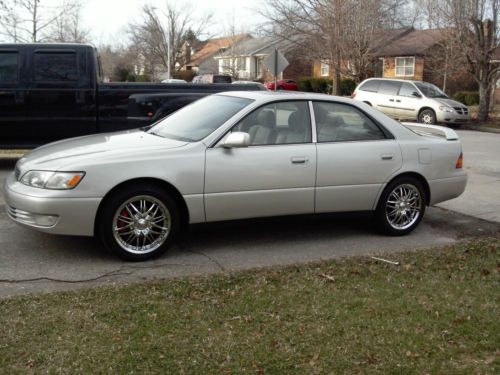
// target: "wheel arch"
[[423, 109], [415, 175], [169, 188]]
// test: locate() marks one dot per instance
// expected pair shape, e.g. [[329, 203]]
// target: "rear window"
[[56, 67], [222, 79], [371, 85], [389, 87], [8, 67]]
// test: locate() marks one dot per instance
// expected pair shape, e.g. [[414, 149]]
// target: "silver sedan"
[[234, 156]]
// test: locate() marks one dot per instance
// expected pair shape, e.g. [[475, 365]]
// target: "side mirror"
[[416, 94], [237, 139]]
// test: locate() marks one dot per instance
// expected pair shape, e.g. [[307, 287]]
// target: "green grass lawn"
[[437, 312]]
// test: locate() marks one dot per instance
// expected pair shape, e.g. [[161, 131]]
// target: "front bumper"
[[452, 117], [69, 216]]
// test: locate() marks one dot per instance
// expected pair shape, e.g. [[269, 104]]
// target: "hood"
[[450, 102], [53, 155]]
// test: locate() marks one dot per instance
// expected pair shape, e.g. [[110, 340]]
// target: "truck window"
[[8, 66], [55, 66]]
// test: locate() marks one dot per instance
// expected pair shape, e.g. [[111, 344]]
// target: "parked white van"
[[411, 101]]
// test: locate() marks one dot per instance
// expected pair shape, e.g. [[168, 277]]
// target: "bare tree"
[[69, 27], [29, 20], [234, 60], [161, 34], [477, 33], [338, 31]]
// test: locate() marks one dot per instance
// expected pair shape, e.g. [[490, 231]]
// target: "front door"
[[275, 175], [407, 102]]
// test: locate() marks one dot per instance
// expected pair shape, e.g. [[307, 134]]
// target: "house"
[[410, 54], [200, 54], [244, 60]]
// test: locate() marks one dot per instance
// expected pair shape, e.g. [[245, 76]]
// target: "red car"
[[283, 84]]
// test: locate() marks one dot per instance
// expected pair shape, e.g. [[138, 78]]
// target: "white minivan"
[[411, 101]]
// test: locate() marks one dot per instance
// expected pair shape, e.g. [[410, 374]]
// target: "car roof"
[[284, 95], [391, 79]]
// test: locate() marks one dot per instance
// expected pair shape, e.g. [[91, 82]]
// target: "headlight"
[[52, 180], [445, 108]]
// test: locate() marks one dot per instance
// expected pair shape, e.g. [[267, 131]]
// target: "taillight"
[[460, 161], [353, 95]]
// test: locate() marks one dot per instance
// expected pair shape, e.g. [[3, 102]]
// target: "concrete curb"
[[12, 154], [481, 129]]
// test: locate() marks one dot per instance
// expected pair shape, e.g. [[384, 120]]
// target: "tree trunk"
[[484, 101]]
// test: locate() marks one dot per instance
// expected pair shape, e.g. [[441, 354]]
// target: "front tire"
[[427, 117], [401, 206], [139, 223]]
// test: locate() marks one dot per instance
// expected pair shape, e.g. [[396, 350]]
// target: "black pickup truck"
[[55, 91]]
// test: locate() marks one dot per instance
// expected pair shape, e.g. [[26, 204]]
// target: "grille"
[[17, 173], [462, 110]]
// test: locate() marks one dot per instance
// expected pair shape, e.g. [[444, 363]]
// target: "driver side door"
[[274, 175]]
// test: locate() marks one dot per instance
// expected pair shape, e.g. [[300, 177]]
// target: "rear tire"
[[139, 222], [401, 206]]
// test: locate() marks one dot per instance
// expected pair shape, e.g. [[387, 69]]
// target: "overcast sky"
[[107, 19]]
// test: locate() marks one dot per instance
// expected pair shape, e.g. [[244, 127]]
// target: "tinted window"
[[278, 123], [337, 122], [370, 85], [389, 87], [60, 67], [221, 79], [8, 67], [407, 89], [199, 119]]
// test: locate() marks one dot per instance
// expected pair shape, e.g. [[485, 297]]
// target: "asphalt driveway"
[[36, 262]]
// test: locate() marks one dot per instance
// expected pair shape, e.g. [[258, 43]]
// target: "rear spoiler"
[[432, 131]]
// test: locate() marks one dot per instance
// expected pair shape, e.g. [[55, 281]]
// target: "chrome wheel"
[[403, 207], [141, 224], [427, 119]]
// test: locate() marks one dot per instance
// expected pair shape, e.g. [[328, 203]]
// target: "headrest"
[[266, 118]]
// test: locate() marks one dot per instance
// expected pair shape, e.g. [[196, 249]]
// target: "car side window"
[[371, 85], [8, 67], [278, 123], [407, 89], [55, 67], [389, 87], [336, 122]]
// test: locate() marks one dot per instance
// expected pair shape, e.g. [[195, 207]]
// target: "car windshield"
[[430, 91], [197, 120]]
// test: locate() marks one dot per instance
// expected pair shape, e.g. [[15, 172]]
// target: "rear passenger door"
[[60, 99], [387, 96], [12, 93], [355, 157]]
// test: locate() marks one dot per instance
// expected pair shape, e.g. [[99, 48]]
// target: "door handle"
[[391, 100], [386, 156], [299, 160], [398, 101]]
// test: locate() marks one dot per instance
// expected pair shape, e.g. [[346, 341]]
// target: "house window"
[[325, 69], [405, 66], [242, 63]]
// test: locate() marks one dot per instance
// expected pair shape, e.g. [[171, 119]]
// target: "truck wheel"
[[401, 206], [427, 117], [139, 223]]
